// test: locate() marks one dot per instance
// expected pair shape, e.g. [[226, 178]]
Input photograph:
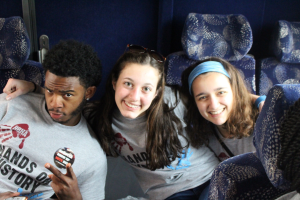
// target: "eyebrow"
[[133, 81], [62, 91], [217, 89]]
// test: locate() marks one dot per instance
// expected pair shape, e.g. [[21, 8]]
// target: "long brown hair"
[[241, 118], [162, 142]]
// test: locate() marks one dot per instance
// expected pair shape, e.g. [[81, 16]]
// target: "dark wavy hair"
[[72, 58], [162, 142], [288, 159], [241, 118]]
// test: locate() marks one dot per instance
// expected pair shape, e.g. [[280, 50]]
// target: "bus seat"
[[241, 177], [175, 64], [284, 67], [225, 36], [266, 132], [211, 35], [255, 175], [14, 53]]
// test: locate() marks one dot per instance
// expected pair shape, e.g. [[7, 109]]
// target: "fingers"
[[16, 87], [14, 94], [54, 170], [70, 173], [15, 194], [62, 177], [65, 186], [6, 195], [9, 87], [261, 106]]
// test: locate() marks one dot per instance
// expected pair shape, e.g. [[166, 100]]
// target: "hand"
[[6, 195], [261, 106], [65, 186], [253, 97], [17, 87]]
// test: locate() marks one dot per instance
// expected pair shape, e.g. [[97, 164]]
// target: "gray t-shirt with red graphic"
[[29, 138], [194, 168]]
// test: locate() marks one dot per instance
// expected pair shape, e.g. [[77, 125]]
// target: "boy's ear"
[[90, 91]]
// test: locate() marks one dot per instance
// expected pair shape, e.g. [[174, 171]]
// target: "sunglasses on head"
[[140, 49]]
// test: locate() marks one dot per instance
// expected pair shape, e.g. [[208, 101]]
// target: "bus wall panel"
[[9, 8], [106, 25]]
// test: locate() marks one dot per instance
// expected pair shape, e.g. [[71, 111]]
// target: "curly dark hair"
[[289, 157], [73, 58]]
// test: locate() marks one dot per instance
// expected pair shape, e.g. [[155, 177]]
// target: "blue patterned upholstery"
[[177, 62], [14, 43], [14, 52], [284, 68], [204, 36], [273, 72], [32, 71], [255, 175], [241, 177], [224, 36], [266, 132], [286, 45], [246, 67]]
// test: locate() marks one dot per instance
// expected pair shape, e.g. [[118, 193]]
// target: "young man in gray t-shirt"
[[41, 134]]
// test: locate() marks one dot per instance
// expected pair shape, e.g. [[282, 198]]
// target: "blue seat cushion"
[[266, 132], [14, 43], [242, 177], [225, 36], [175, 64], [272, 72], [286, 41], [31, 71]]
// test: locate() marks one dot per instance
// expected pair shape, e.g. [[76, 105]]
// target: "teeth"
[[131, 106], [216, 112]]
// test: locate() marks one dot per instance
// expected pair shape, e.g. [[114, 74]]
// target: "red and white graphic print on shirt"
[[19, 131], [223, 156], [119, 142]]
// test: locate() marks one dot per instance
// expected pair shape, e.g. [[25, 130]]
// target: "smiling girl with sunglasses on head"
[[142, 120], [220, 109]]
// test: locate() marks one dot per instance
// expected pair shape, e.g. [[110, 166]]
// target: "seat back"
[[286, 43], [14, 53], [266, 133], [284, 67], [175, 64], [224, 36], [204, 36], [14, 43], [242, 177]]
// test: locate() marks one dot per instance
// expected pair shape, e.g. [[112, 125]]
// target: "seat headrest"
[[225, 36], [286, 41], [266, 132], [14, 43]]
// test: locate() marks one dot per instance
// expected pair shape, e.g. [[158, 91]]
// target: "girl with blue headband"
[[220, 113]]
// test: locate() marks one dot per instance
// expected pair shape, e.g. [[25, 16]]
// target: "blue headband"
[[208, 66]]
